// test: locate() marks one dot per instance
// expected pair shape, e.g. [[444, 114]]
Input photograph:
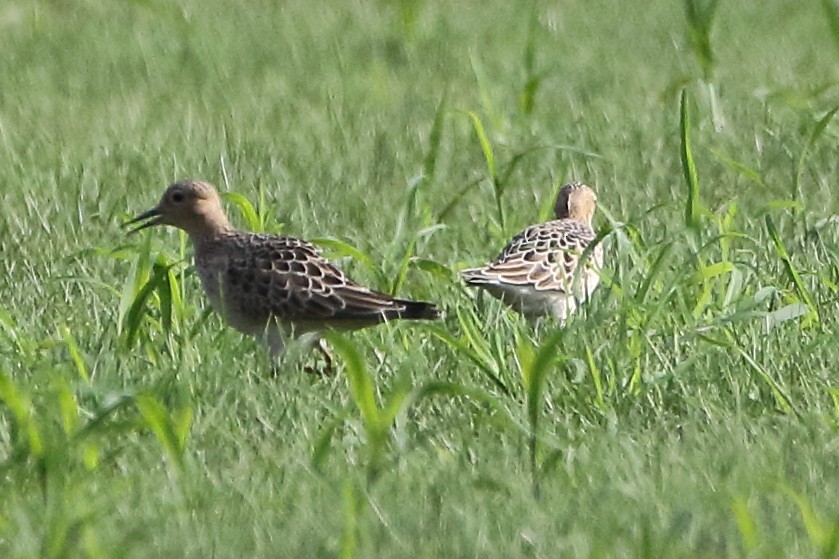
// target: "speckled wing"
[[289, 279], [543, 257]]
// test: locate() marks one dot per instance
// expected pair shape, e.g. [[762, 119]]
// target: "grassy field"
[[691, 410]]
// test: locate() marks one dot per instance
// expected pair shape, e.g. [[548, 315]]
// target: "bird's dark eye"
[[178, 197]]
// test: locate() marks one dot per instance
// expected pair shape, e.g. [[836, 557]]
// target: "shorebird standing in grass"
[[269, 286], [538, 273]]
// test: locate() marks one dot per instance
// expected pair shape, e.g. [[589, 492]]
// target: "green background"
[[690, 410]]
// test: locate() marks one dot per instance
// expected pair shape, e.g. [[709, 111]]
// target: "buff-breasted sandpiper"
[[269, 286], [538, 273]]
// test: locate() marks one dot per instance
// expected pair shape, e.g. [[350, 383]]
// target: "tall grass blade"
[[744, 170], [363, 393], [535, 374], [434, 268], [525, 354], [10, 329], [792, 271], [596, 378], [745, 524], [527, 96], [489, 159], [342, 248], [169, 430], [435, 137], [820, 532], [654, 271], [831, 12], [481, 360], [323, 444], [486, 145], [137, 277], [138, 310], [540, 366], [395, 403], [817, 132], [352, 510], [252, 219], [361, 383], [68, 408], [700, 19], [174, 297], [404, 266], [456, 199], [483, 91], [75, 354], [24, 430], [688, 165], [782, 400]]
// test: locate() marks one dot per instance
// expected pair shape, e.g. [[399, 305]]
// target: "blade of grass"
[[434, 268], [404, 265], [745, 524], [247, 210], [166, 429], [139, 309], [688, 165], [456, 390], [744, 170], [342, 248], [486, 145], [75, 354], [448, 208], [489, 159], [831, 12], [483, 91], [538, 367], [138, 276], [595, 377], [527, 96], [817, 132], [361, 383], [817, 529], [782, 400], [792, 271], [700, 19], [463, 347], [68, 407], [8, 326], [25, 430], [352, 510], [435, 137], [473, 333], [323, 444]]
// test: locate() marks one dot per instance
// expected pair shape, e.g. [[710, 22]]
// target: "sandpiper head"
[[576, 201], [191, 205]]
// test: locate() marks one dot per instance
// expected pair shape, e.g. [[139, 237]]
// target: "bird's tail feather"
[[417, 310], [474, 276]]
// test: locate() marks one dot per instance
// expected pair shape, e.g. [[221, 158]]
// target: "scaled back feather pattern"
[[541, 271]]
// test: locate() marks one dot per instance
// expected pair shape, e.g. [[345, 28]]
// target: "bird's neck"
[[575, 216], [207, 237]]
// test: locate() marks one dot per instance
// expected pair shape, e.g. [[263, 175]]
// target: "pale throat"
[[208, 226]]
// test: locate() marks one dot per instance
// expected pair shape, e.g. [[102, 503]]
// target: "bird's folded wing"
[[291, 280], [543, 256]]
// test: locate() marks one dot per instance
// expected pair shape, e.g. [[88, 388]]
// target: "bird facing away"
[[269, 286], [538, 273]]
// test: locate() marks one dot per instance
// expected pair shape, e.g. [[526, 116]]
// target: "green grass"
[[691, 410]]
